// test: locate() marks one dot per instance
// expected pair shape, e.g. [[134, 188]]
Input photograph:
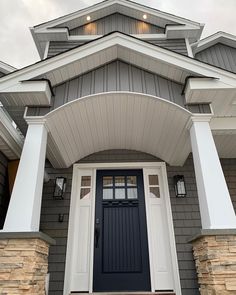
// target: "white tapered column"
[[216, 207], [25, 204]]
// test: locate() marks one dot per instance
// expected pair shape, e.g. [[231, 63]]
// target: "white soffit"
[[79, 60], [26, 93], [11, 141], [219, 37], [208, 90], [118, 120]]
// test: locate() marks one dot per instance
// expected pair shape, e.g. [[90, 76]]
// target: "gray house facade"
[[127, 176]]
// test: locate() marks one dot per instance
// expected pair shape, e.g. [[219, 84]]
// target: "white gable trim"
[[219, 37], [171, 65]]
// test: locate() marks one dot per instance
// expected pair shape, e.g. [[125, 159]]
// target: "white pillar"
[[23, 213], [216, 207]]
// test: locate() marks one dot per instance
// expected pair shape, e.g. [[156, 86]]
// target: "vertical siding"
[[4, 190], [219, 55], [117, 22], [118, 76]]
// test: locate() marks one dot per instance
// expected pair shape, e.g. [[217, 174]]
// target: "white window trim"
[[74, 194]]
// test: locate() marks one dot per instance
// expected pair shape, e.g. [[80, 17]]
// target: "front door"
[[121, 260]]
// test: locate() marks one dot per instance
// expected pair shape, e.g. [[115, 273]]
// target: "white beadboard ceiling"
[[118, 121]]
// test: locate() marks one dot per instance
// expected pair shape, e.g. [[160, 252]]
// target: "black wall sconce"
[[59, 189], [180, 189]]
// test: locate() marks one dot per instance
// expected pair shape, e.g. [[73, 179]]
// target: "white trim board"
[[84, 273]]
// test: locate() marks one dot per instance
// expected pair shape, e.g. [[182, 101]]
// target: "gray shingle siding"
[[219, 55], [117, 22], [186, 215]]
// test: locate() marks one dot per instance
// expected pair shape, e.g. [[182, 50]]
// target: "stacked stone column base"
[[215, 257], [23, 266]]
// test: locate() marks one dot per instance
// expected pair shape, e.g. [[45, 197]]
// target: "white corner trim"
[[46, 50]]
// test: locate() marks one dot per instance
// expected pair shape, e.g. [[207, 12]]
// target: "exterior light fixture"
[[179, 184], [144, 16], [88, 18], [60, 187]]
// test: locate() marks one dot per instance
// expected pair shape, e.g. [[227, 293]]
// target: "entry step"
[[125, 293]]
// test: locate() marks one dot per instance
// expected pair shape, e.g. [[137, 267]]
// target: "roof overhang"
[[222, 96], [219, 37], [67, 65], [58, 29]]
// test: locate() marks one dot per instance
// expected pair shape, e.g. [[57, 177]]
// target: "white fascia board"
[[5, 68], [219, 37], [223, 123], [129, 4], [10, 135], [151, 51], [187, 31], [27, 93], [53, 34]]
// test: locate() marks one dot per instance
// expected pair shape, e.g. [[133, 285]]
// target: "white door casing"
[[164, 270]]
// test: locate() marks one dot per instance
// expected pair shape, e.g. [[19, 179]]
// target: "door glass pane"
[[119, 193], [86, 181], [153, 179], [132, 193], [131, 180], [119, 181], [84, 193], [107, 194], [154, 192], [107, 181]]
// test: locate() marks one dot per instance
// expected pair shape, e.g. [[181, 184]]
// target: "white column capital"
[[199, 118]]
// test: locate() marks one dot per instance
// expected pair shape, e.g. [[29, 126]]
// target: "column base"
[[215, 256], [23, 263]]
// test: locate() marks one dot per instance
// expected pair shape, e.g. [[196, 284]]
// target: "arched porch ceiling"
[[118, 121]]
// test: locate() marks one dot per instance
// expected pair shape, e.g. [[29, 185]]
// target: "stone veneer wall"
[[23, 266], [186, 216], [216, 263]]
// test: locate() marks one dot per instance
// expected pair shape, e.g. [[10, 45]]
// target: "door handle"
[[97, 236]]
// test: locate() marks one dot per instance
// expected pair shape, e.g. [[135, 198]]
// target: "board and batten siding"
[[117, 76], [117, 22], [176, 45], [186, 217], [4, 188], [219, 55]]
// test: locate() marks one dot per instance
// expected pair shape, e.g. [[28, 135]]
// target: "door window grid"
[[154, 186], [120, 187], [85, 187]]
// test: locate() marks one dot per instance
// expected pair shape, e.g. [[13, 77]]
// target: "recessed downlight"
[[88, 18], [144, 16]]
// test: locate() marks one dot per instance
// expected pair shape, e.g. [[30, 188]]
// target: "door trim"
[[72, 250]]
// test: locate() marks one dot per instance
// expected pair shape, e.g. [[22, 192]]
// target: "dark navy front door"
[[121, 260]]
